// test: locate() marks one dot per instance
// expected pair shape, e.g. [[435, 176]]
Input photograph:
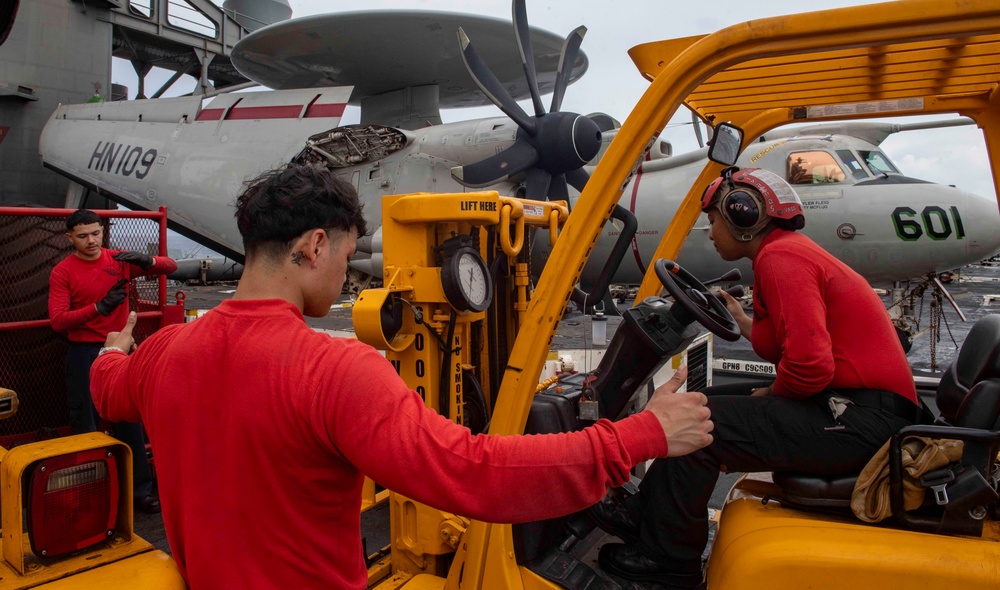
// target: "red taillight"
[[73, 501]]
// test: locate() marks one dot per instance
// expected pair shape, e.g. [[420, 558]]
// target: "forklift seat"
[[968, 397], [978, 359]]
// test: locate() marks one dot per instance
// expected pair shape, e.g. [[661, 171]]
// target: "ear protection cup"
[[751, 198], [742, 209]]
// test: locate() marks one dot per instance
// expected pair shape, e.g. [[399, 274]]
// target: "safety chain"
[[920, 311], [935, 327], [948, 327], [937, 314]]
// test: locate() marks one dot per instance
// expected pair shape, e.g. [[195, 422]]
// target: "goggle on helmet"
[[747, 200]]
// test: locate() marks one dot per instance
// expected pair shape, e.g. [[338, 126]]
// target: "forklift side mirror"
[[726, 144]]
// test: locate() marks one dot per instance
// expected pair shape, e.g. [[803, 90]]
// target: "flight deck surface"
[[976, 290]]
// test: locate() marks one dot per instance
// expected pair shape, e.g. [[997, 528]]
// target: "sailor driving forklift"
[[254, 413], [842, 388]]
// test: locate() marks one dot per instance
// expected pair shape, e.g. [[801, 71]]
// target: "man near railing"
[[88, 298]]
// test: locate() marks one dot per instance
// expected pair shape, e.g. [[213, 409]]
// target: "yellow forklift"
[[458, 318]]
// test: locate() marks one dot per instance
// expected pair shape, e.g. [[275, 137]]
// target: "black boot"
[[613, 517], [630, 563]]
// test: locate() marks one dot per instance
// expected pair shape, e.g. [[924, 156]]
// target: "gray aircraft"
[[192, 154], [56, 52], [851, 191]]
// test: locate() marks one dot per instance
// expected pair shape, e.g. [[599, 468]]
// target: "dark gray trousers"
[[751, 434], [83, 415]]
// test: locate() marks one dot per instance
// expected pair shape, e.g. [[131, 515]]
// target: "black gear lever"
[[736, 291], [729, 277], [733, 275]]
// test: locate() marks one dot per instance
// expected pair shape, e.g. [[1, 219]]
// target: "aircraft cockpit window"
[[852, 164], [813, 168], [878, 162]]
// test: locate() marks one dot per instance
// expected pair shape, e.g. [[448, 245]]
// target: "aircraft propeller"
[[696, 123], [550, 148]]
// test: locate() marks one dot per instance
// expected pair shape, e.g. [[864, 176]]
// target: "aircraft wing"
[[190, 157]]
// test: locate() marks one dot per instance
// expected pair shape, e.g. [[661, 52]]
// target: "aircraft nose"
[[982, 226]]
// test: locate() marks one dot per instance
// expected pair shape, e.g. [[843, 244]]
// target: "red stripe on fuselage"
[[210, 114], [314, 111], [325, 110], [290, 111]]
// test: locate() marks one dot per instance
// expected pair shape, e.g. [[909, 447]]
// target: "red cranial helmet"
[[750, 199]]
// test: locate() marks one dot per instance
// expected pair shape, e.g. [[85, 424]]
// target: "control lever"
[[736, 291], [729, 277]]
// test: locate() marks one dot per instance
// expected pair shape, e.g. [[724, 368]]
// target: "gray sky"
[[612, 84]]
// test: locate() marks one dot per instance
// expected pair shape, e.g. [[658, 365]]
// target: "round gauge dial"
[[466, 281]]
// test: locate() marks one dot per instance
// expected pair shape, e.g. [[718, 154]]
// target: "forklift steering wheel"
[[696, 300]]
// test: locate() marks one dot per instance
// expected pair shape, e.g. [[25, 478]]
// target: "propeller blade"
[[516, 159], [571, 46], [557, 188], [536, 185], [578, 178], [604, 122], [523, 36], [697, 128], [491, 87]]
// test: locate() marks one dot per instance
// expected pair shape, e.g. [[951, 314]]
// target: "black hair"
[[280, 205], [81, 217]]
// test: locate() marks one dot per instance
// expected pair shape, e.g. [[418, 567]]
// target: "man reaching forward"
[[264, 428]]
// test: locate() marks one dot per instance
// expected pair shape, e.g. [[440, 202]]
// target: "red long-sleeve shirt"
[[75, 285], [263, 430], [821, 324]]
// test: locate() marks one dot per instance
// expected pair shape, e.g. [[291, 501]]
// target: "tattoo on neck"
[[297, 258]]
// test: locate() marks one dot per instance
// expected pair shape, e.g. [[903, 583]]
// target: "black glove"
[[143, 261], [115, 297]]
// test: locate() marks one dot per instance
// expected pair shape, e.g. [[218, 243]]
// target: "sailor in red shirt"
[[88, 300], [828, 335], [264, 429]]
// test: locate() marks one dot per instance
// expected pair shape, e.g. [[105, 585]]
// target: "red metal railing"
[[32, 356]]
